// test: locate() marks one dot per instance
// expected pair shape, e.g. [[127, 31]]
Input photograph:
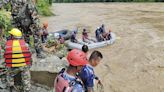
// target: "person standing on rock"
[[67, 81], [25, 17], [44, 32], [17, 59], [87, 73]]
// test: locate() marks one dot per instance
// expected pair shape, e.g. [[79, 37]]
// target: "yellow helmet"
[[16, 32]]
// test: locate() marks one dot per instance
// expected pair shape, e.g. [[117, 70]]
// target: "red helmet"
[[77, 57]]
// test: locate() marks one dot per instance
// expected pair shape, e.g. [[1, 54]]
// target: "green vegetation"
[[43, 7], [70, 1], [5, 21]]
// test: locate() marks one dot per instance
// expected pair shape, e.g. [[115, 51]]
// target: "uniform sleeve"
[[88, 77], [90, 80]]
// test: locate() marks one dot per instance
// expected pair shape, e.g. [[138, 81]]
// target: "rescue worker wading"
[[67, 81], [18, 59]]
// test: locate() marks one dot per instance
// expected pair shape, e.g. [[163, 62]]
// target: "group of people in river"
[[100, 35]]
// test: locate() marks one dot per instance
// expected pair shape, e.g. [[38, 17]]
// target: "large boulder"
[[51, 64], [44, 71]]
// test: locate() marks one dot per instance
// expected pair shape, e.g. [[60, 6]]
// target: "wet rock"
[[51, 64], [40, 88], [44, 71]]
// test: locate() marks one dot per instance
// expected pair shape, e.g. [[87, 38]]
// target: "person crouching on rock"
[[67, 81], [17, 59]]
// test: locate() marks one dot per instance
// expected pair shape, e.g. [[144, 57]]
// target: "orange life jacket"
[[17, 53]]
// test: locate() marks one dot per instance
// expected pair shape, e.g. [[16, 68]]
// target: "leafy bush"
[[5, 20], [43, 7]]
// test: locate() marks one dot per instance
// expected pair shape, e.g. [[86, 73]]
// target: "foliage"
[[5, 20], [51, 43], [43, 7]]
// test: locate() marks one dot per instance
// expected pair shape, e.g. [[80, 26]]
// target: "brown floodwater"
[[135, 62]]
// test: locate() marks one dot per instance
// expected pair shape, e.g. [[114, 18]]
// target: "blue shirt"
[[87, 75], [97, 32], [77, 87], [102, 30]]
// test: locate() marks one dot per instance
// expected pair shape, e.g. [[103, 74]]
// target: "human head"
[[16, 33], [95, 58], [84, 30], [45, 24], [85, 48], [102, 25], [110, 30], [77, 59]]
